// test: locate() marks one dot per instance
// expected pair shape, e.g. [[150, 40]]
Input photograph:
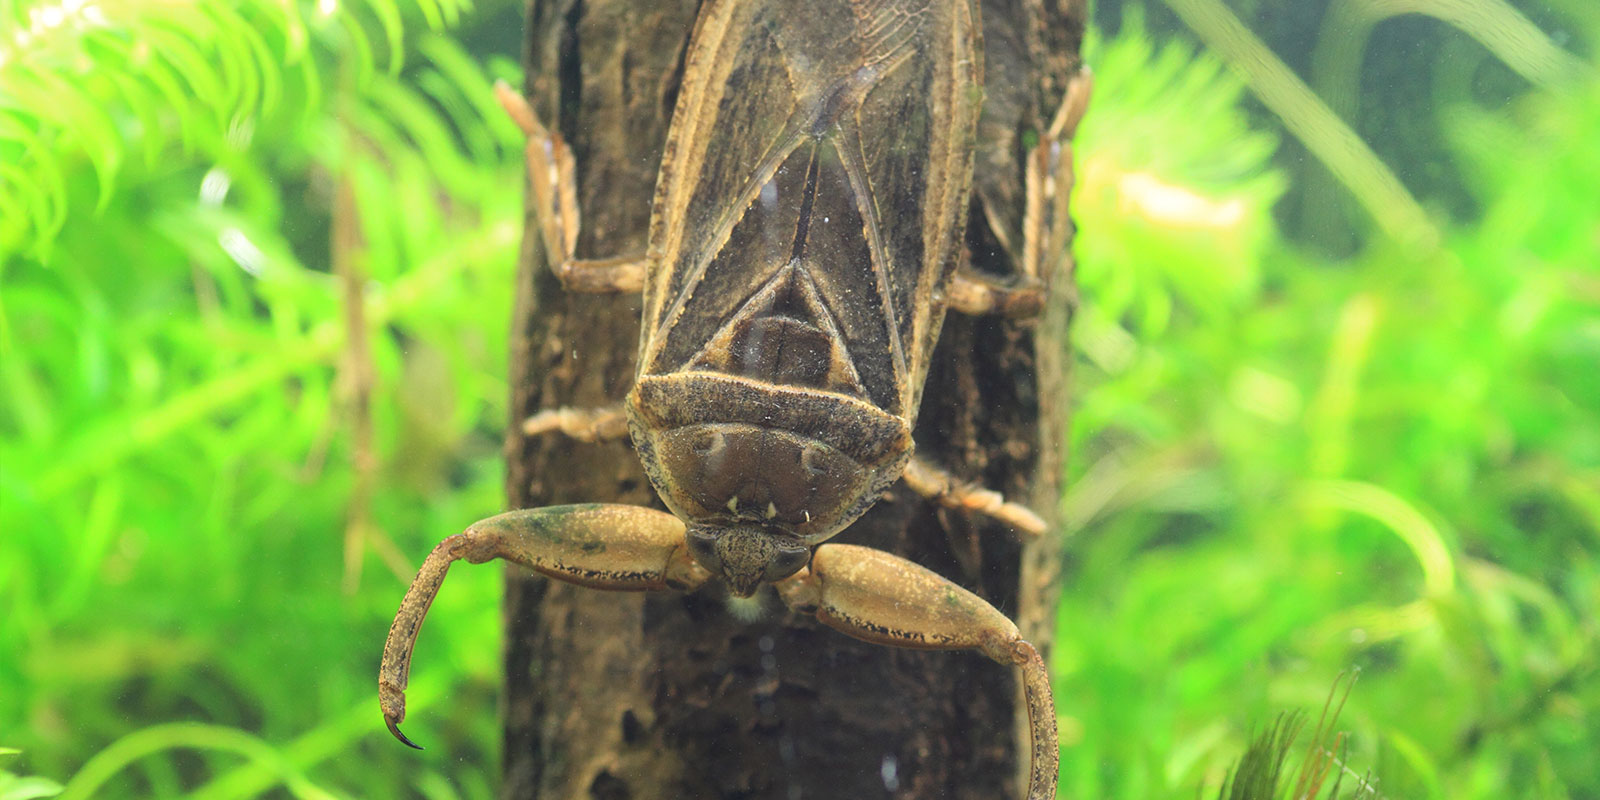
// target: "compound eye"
[[703, 546], [786, 562]]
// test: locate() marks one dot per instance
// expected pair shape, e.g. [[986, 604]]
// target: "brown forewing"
[[812, 195]]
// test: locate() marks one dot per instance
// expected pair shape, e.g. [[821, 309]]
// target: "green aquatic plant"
[[1264, 771], [104, 81], [1199, 202], [1372, 182], [24, 787], [190, 354], [1387, 462], [1341, 51]]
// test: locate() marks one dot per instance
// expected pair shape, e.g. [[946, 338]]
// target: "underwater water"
[[1335, 424]]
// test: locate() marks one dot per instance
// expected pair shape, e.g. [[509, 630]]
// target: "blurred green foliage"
[[1286, 466], [216, 477], [180, 395]]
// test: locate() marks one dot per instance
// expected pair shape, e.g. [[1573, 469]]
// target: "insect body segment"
[[723, 448]]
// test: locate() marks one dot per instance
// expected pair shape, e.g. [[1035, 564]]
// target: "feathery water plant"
[[106, 81], [178, 357]]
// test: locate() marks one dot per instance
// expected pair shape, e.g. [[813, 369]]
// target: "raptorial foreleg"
[[878, 597], [617, 547]]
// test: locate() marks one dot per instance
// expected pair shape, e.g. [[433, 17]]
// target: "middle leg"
[[603, 424], [947, 490]]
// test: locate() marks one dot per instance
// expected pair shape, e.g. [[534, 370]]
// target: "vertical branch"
[[356, 382], [356, 375]]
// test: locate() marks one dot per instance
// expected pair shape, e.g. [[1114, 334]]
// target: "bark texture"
[[615, 695]]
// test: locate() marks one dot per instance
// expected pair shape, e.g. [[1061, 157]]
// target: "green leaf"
[[13, 787]]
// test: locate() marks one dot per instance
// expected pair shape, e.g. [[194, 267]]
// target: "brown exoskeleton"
[[804, 246]]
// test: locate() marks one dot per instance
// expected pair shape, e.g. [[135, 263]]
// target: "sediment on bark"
[[618, 695]]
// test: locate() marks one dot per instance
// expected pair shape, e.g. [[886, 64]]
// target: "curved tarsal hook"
[[617, 547], [882, 598]]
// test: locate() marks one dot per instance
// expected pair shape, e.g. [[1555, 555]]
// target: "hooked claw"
[[394, 728], [392, 699], [396, 666]]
